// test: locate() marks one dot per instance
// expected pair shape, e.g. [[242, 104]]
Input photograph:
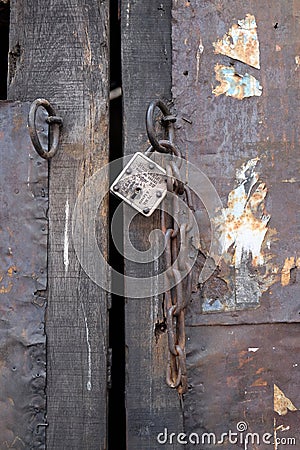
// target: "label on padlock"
[[142, 184]]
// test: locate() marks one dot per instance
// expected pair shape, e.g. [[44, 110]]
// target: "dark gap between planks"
[[116, 416]]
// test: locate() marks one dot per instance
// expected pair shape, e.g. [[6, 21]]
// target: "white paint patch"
[[200, 50], [245, 224], [66, 237], [253, 349], [128, 14], [29, 175], [89, 351]]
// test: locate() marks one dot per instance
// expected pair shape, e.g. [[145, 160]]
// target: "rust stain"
[[6, 289], [260, 382], [289, 264], [241, 42], [235, 85], [232, 381], [282, 403], [244, 358], [11, 270]]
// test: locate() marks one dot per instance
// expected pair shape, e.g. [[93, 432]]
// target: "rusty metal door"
[[235, 92], [236, 78]]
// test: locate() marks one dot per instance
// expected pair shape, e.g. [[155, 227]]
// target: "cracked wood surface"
[[146, 75]]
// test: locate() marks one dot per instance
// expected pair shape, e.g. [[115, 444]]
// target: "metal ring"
[[54, 122], [167, 145], [150, 124]]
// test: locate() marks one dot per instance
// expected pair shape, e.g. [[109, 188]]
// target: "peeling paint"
[[253, 349], [246, 220], [235, 85], [282, 403], [289, 264], [246, 268], [297, 61], [241, 42]]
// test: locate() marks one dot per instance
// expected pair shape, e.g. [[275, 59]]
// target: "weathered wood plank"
[[146, 75], [59, 50]]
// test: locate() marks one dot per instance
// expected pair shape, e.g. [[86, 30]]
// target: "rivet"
[[116, 187], [146, 210], [158, 194], [151, 166], [128, 171]]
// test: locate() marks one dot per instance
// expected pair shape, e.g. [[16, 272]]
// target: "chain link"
[[176, 230]]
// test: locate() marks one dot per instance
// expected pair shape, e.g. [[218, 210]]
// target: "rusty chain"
[[176, 232]]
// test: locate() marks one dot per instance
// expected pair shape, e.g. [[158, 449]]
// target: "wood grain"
[[59, 50], [146, 75]]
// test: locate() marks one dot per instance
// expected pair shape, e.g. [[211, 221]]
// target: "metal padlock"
[[142, 184]]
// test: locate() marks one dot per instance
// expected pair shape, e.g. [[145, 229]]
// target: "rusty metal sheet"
[[245, 138], [23, 275], [244, 379]]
